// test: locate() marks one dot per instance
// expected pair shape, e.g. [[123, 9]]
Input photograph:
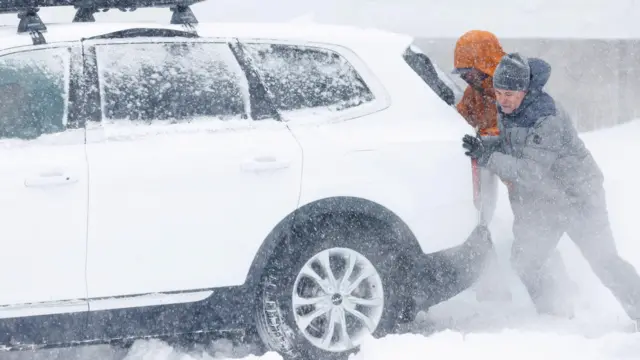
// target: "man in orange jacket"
[[476, 56]]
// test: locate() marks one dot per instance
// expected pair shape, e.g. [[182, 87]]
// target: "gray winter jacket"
[[539, 152]]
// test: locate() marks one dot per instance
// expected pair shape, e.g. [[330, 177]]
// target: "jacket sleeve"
[[422, 65], [543, 147], [463, 107]]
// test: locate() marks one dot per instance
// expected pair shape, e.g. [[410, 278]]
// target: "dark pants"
[[538, 228]]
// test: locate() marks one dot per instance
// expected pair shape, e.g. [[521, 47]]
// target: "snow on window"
[[33, 92], [173, 81], [307, 77]]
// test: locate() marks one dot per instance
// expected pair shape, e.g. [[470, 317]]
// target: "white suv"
[[304, 181]]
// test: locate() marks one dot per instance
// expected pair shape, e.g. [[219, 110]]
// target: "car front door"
[[185, 183], [43, 186]]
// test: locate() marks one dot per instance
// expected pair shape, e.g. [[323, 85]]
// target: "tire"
[[338, 240]]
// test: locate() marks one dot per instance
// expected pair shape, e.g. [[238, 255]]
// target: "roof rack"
[[30, 22]]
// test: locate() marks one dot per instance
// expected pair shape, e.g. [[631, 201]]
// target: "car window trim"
[[26, 48], [262, 100]]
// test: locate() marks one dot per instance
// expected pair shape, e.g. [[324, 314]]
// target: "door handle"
[[54, 178], [264, 163]]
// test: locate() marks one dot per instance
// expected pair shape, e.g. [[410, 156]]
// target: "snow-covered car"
[[304, 181]]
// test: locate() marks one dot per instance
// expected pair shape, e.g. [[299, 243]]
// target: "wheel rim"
[[337, 299]]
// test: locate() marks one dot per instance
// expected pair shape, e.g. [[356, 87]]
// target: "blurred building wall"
[[597, 81]]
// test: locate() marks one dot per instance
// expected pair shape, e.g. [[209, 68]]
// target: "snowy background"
[[463, 328]]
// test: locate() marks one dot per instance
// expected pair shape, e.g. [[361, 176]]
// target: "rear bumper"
[[445, 274]]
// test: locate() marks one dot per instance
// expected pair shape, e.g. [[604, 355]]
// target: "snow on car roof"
[[347, 36]]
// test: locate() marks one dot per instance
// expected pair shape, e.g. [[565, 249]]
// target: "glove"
[[476, 149]]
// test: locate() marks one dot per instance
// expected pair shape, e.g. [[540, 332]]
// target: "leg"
[[492, 284], [537, 262], [565, 285], [591, 232]]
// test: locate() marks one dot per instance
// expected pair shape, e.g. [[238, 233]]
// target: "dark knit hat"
[[512, 73]]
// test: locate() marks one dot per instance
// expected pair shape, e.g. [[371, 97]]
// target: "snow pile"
[[157, 350], [510, 344]]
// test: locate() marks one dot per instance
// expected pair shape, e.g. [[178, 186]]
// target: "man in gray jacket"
[[555, 186]]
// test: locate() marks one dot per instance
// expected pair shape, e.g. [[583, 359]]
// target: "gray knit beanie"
[[513, 73]]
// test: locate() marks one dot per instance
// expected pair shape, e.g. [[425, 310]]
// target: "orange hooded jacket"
[[480, 50]]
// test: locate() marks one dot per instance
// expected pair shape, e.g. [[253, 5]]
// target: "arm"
[[438, 86], [423, 66], [463, 107], [542, 149]]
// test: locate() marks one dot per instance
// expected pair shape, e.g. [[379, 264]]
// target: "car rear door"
[[371, 128], [43, 186], [188, 173]]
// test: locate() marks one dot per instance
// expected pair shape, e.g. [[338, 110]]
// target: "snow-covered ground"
[[463, 328]]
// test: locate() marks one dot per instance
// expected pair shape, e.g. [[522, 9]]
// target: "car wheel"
[[337, 287]]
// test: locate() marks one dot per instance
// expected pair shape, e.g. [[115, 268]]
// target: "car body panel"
[[372, 163], [166, 206]]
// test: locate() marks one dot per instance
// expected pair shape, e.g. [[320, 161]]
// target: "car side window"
[[302, 77], [172, 81], [33, 92]]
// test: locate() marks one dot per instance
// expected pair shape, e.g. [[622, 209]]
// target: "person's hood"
[[540, 74], [536, 103], [478, 49]]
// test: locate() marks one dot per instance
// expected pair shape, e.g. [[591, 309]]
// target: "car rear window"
[[437, 80], [304, 77]]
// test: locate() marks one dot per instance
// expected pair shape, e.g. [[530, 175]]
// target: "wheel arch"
[[306, 214]]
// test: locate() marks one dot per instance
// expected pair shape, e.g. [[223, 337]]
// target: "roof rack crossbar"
[[183, 15], [85, 14], [85, 10]]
